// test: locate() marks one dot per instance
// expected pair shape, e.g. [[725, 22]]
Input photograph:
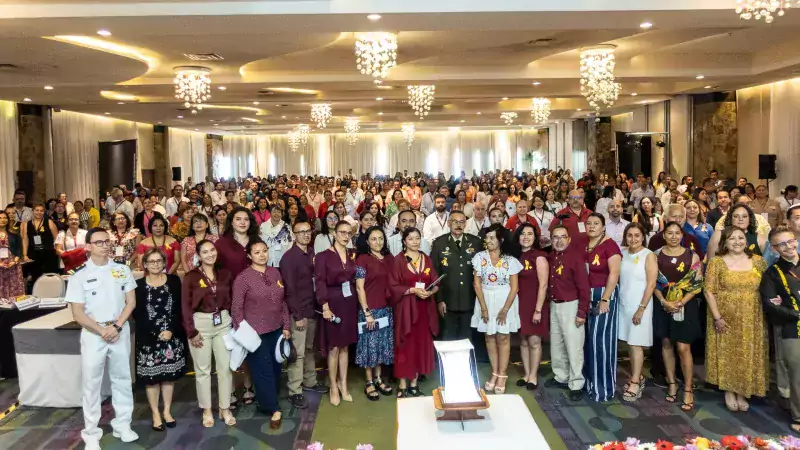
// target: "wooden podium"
[[460, 411]]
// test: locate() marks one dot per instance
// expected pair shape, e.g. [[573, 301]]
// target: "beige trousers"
[[212, 344], [303, 370], [566, 344]]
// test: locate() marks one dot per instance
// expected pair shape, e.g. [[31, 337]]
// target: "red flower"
[[664, 445], [732, 443], [614, 446]]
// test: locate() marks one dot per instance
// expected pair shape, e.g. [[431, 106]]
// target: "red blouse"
[[597, 260], [258, 298], [375, 273]]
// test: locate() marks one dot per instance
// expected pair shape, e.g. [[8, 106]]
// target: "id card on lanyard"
[[216, 316]]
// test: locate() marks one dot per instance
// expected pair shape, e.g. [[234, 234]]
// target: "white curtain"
[[187, 150], [75, 138], [9, 151], [784, 132]]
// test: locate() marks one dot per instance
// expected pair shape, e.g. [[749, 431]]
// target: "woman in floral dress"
[[11, 283], [160, 348], [124, 239]]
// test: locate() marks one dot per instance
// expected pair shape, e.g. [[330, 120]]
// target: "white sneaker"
[[126, 435], [92, 445]]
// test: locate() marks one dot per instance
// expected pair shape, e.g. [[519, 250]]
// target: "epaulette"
[[73, 271]]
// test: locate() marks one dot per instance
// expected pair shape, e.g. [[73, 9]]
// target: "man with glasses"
[[297, 270], [573, 218], [101, 293], [452, 255], [22, 213], [780, 289]]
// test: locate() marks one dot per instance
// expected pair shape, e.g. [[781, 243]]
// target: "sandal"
[[629, 396], [233, 401], [383, 388], [687, 406], [671, 398], [743, 405], [249, 399], [402, 393], [795, 426], [208, 419], [489, 385], [415, 392], [227, 417], [500, 390], [372, 394]]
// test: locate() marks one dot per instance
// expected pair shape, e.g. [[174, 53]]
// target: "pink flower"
[[169, 353], [315, 446], [364, 447]]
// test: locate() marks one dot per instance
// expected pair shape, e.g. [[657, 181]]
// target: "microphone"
[[335, 319]]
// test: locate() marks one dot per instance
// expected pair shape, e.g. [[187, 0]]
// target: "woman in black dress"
[[160, 347], [38, 245]]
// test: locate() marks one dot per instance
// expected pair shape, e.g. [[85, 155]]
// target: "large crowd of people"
[[346, 263]]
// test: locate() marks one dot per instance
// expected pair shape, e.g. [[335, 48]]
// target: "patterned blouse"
[[128, 243], [494, 275], [258, 298]]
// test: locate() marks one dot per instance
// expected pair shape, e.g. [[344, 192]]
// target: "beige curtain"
[[9, 151], [187, 150], [784, 132]]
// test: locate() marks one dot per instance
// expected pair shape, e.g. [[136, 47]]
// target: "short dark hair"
[[671, 224], [407, 233], [92, 232], [557, 227], [253, 242], [598, 216], [200, 217], [362, 245], [726, 233], [154, 220], [298, 222], [439, 196], [520, 229]]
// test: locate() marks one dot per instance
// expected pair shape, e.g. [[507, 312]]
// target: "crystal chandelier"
[[408, 133], [420, 97], [351, 129], [376, 53], [192, 86], [597, 76], [508, 117], [304, 131], [321, 114], [757, 9], [540, 110], [294, 140]]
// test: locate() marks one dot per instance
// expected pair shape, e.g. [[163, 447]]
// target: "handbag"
[[73, 258]]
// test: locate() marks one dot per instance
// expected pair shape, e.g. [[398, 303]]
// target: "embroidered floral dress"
[[495, 284], [127, 242], [158, 309]]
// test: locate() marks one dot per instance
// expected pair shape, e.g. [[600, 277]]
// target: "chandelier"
[[420, 97], [408, 133], [376, 53], [192, 86], [351, 129], [749, 9], [540, 110], [294, 140], [304, 131], [321, 114], [597, 76], [508, 117]]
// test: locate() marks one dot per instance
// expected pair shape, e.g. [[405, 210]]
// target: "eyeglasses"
[[105, 243], [560, 238], [343, 233], [154, 262], [785, 244], [576, 197], [303, 232], [331, 219]]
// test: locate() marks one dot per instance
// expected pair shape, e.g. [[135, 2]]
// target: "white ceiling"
[[474, 58]]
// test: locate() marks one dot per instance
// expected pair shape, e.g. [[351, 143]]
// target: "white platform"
[[508, 425]]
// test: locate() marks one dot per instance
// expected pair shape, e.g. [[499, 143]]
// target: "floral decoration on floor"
[[701, 443], [319, 446]]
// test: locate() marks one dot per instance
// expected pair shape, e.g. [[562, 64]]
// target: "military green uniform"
[[457, 289]]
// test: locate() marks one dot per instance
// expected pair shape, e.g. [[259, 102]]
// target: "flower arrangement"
[[701, 443], [318, 446]]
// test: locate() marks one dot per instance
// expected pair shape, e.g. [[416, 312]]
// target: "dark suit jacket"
[[138, 221], [713, 216], [457, 289]]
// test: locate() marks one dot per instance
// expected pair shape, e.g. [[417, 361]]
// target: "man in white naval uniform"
[[101, 293]]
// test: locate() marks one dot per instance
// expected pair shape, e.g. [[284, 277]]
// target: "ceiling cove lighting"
[[192, 86], [420, 97], [700, 77], [597, 76], [289, 90], [105, 45], [121, 96], [48, 88], [321, 114], [646, 25], [250, 119], [758, 9], [540, 110], [103, 32], [376, 53], [374, 17], [26, 99]]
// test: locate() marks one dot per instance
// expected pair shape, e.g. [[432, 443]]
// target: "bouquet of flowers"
[[701, 443]]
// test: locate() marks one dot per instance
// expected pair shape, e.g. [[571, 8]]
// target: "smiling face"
[[740, 218], [527, 238], [208, 254], [560, 239], [634, 238], [241, 222], [673, 235], [736, 242], [496, 216], [375, 241], [412, 241]]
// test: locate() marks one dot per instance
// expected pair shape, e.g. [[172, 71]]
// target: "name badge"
[[118, 251], [216, 318], [37, 240], [419, 285], [346, 289], [581, 227], [4, 252]]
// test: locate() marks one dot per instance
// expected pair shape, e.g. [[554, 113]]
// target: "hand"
[[300, 324], [720, 325], [537, 317], [287, 334], [637, 317], [197, 341], [501, 316], [370, 323], [165, 335], [579, 322], [422, 293], [485, 316], [602, 308], [442, 309], [109, 333], [327, 315]]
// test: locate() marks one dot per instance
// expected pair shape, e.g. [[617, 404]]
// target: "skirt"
[[685, 331], [495, 298], [376, 347], [416, 356], [160, 361], [600, 347]]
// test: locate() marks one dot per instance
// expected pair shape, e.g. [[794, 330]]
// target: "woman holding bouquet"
[[678, 317]]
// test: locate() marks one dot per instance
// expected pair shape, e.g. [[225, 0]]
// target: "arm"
[[187, 265], [614, 263], [582, 283], [60, 245], [651, 274], [285, 318], [513, 282], [437, 265], [772, 294], [176, 319], [187, 311], [290, 287], [476, 281], [176, 257], [321, 284], [362, 301], [713, 244], [53, 229], [24, 231], [237, 303], [543, 274]]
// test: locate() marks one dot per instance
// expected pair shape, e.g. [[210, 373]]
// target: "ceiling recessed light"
[[462, 120], [283, 117], [634, 94], [197, 129], [256, 103], [707, 87], [479, 113], [378, 98], [380, 113], [536, 83], [505, 98], [578, 109], [120, 103], [700, 77], [645, 25], [374, 17], [104, 32], [107, 113], [48, 88], [180, 117], [222, 88], [26, 99], [159, 123]]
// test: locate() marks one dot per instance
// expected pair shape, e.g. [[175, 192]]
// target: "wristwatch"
[[117, 327], [605, 300]]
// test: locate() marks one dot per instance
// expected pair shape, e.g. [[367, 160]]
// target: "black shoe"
[[422, 378], [298, 401], [521, 382], [172, 424], [531, 386], [783, 403], [319, 387], [415, 392], [557, 384], [576, 395], [159, 428]]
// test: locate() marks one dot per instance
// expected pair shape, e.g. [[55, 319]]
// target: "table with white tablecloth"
[[49, 362], [508, 424]]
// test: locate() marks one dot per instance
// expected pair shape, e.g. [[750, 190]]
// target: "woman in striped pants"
[[600, 348]]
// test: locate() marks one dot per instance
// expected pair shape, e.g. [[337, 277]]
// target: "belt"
[[562, 301], [107, 324]]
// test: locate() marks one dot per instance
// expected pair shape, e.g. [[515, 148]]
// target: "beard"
[[440, 208]]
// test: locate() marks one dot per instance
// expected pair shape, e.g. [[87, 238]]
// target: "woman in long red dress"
[[534, 313], [415, 319]]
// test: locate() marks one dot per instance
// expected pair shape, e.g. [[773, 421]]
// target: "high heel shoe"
[[274, 424], [348, 398], [208, 419], [338, 397], [160, 427], [489, 385], [500, 390], [226, 416]]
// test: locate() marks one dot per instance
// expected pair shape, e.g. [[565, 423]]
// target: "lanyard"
[[441, 223], [19, 216], [789, 292]]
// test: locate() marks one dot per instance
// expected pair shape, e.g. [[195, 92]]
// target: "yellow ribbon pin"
[[560, 269], [752, 247], [527, 265], [427, 271], [682, 267], [444, 262], [203, 284], [636, 260], [280, 285], [596, 261]]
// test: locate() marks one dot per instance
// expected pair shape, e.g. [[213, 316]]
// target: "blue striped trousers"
[[600, 348]]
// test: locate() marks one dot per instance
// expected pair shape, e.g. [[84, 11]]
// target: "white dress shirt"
[[615, 230], [395, 244], [427, 207], [218, 198], [435, 226], [475, 226], [171, 205], [785, 204], [354, 198]]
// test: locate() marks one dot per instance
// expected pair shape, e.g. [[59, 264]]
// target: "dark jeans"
[[266, 372], [456, 325]]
